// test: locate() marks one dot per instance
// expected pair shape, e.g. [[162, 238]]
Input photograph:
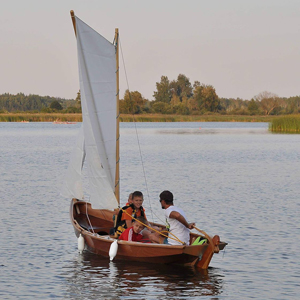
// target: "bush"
[[72, 110], [56, 105], [181, 109], [161, 107], [47, 110], [240, 112], [195, 112], [208, 113]]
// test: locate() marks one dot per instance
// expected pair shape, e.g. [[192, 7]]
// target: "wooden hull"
[[98, 241]]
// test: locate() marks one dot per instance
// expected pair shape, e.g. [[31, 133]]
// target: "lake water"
[[233, 179]]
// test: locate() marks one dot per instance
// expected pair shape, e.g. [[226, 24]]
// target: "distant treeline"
[[181, 97], [35, 103], [176, 97]]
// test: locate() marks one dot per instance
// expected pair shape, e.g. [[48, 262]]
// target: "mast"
[[117, 178], [73, 20]]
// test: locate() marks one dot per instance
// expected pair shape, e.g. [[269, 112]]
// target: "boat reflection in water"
[[91, 276]]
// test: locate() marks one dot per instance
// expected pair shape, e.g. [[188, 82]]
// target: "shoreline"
[[61, 117]]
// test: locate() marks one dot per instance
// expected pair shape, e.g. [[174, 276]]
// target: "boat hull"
[[96, 229]]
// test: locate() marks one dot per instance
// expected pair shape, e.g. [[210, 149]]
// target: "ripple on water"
[[242, 185]]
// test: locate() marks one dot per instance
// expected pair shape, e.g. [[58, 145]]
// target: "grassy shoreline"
[[277, 124], [39, 117], [286, 124], [51, 117]]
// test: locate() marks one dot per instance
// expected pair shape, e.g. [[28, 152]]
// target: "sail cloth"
[[97, 76], [73, 184]]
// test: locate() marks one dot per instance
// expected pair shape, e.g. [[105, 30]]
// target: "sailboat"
[[98, 146]]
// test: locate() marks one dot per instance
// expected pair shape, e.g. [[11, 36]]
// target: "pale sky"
[[241, 47]]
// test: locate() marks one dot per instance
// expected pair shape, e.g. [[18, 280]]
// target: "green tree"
[[133, 103], [160, 107], [163, 92], [253, 107], [175, 100], [127, 105], [78, 99], [196, 84], [182, 87], [192, 105], [56, 105], [182, 109], [206, 97], [292, 105], [233, 106], [21, 102]]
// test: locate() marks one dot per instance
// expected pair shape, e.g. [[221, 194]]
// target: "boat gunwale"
[[109, 239]]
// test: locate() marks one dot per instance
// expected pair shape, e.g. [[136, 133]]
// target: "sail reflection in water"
[[93, 277]]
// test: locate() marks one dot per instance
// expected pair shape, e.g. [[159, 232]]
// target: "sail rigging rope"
[[139, 146], [87, 215]]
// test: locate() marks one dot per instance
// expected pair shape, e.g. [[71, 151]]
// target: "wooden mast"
[[117, 177], [73, 20]]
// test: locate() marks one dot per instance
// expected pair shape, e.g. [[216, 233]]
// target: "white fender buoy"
[[80, 243], [113, 250]]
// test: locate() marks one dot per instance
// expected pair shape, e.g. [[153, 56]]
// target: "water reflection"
[[94, 277], [205, 131]]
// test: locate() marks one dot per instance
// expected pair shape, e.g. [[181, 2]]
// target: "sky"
[[242, 48]]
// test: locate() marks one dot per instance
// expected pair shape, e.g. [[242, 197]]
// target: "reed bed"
[[286, 124], [39, 117], [51, 117], [193, 118]]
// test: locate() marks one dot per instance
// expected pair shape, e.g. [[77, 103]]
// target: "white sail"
[[73, 183], [97, 76]]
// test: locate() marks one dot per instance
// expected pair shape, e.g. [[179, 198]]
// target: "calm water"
[[233, 179]]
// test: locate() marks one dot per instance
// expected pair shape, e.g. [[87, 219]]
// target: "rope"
[[143, 168], [87, 215], [124, 64], [153, 229], [136, 131]]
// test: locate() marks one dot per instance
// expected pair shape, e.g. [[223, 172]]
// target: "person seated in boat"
[[118, 215], [124, 218], [117, 210], [177, 224], [133, 233], [129, 201]]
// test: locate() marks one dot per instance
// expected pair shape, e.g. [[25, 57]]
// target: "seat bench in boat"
[[85, 224]]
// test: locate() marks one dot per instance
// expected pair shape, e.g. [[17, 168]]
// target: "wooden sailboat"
[[99, 72]]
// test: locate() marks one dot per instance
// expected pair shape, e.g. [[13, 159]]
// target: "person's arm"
[[179, 217], [126, 216]]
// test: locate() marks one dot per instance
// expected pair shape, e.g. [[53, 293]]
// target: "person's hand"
[[156, 228], [191, 225]]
